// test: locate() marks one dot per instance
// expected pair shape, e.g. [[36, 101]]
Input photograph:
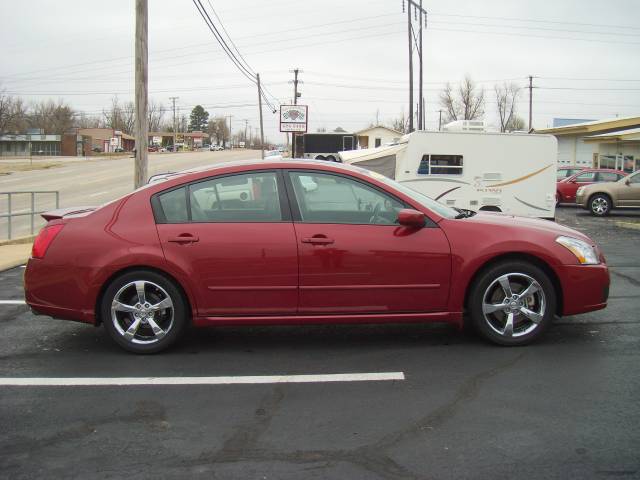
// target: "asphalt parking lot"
[[566, 407]]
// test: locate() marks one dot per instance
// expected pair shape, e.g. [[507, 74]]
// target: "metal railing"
[[32, 212]]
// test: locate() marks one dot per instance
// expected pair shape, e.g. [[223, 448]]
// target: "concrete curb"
[[629, 225], [18, 241], [13, 255]]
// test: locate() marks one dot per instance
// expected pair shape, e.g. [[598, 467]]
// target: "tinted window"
[[250, 197], [586, 177], [608, 177], [174, 206], [325, 198], [440, 165]]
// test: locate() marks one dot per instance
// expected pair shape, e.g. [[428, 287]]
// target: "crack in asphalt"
[[628, 278], [243, 445]]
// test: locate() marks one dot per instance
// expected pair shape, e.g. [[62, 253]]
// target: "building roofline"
[[595, 126]]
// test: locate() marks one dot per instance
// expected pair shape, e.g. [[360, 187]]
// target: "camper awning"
[[381, 160]]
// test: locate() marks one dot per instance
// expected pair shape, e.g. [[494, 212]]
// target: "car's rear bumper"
[[585, 288]]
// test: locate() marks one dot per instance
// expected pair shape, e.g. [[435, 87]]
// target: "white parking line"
[[128, 381], [97, 194], [12, 302]]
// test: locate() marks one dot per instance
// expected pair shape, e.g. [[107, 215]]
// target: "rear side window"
[[174, 206], [440, 165], [250, 197], [608, 177]]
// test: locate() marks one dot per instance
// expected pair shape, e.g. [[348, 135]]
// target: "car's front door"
[[233, 237], [355, 258], [629, 193]]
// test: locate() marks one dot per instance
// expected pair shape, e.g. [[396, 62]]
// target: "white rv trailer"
[[512, 173]]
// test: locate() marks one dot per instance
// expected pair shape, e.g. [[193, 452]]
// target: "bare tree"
[[400, 124], [120, 117], [465, 103], [52, 117], [13, 114], [219, 129], [156, 115], [506, 100]]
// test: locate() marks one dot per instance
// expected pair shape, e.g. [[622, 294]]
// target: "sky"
[[353, 55]]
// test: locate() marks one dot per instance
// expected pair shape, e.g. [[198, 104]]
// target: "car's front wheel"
[[143, 311], [600, 205], [512, 303]]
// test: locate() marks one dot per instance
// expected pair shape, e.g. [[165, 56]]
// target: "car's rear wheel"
[[600, 205], [512, 303], [143, 311]]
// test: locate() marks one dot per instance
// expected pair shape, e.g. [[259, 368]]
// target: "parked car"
[[216, 148], [315, 242], [567, 187], [564, 172], [120, 150], [601, 198], [152, 148], [96, 149]]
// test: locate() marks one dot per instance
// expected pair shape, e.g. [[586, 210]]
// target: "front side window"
[[248, 197], [608, 177], [440, 165], [326, 198], [634, 178]]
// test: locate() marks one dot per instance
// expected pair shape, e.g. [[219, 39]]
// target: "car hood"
[[522, 224]]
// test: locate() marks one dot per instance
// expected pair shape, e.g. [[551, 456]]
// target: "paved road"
[[566, 407], [94, 182]]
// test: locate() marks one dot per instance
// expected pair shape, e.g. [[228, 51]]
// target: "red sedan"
[[567, 187], [296, 242]]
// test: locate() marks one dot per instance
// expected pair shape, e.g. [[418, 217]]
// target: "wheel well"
[[600, 193], [490, 208], [123, 271], [520, 257]]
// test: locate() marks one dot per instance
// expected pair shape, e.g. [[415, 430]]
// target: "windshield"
[[428, 202]]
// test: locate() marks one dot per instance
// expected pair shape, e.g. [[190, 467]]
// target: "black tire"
[[523, 330], [600, 205], [320, 157], [331, 158], [171, 320]]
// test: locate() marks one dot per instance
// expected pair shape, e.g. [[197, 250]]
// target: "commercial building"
[[108, 140], [188, 140], [32, 143], [610, 143]]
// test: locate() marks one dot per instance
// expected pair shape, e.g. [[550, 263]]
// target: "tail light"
[[44, 239]]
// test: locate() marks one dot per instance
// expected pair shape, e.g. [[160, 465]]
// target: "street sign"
[[113, 141], [293, 118]]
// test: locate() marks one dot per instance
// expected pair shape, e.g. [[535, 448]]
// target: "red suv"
[[299, 242], [566, 189]]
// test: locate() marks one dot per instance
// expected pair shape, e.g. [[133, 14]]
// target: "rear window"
[[174, 205]]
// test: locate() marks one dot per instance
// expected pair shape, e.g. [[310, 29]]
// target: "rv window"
[[440, 165]]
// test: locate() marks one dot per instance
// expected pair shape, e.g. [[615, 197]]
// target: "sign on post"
[[293, 118]]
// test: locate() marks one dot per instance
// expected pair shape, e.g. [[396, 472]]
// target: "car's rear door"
[[355, 258], [233, 237]]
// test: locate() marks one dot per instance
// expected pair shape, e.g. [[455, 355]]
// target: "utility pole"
[[530, 100], [141, 79], [417, 7], [175, 125], [246, 124], [260, 110], [440, 120], [410, 67], [295, 82], [230, 141]]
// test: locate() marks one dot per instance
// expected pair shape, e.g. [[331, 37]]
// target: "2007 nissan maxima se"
[[296, 242]]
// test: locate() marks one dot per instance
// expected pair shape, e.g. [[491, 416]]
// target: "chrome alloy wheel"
[[142, 312], [513, 305], [599, 205]]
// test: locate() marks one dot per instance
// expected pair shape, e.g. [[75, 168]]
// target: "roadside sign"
[[293, 118], [113, 141]]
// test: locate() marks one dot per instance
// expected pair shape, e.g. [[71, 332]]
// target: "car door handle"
[[185, 238], [318, 240]]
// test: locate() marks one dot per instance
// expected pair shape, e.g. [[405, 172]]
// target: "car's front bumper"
[[581, 200], [585, 288]]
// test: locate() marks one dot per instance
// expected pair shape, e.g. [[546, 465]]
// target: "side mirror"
[[627, 182], [411, 218]]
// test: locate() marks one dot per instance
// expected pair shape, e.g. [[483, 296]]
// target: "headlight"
[[584, 252], [580, 190]]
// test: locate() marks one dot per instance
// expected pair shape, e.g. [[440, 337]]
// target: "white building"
[[611, 143], [376, 136]]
